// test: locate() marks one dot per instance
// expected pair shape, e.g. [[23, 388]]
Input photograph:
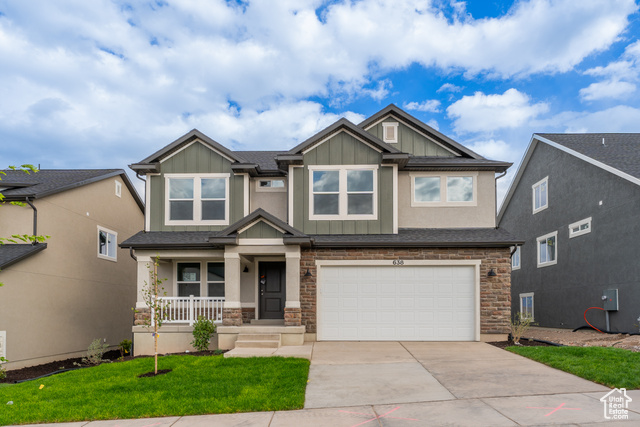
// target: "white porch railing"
[[188, 309]]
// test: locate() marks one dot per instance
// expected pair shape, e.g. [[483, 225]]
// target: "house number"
[[398, 262]]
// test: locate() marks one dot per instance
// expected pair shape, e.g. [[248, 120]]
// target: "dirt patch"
[[585, 338], [523, 343], [153, 374]]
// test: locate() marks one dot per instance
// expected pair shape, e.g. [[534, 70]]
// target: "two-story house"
[[385, 230], [575, 200], [77, 286]]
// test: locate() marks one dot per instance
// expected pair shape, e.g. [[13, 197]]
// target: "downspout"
[[35, 217], [495, 191], [515, 248], [135, 258]]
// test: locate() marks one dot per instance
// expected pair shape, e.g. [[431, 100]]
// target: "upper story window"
[[201, 199], [343, 192], [118, 188], [579, 228], [390, 132], [107, 244], [540, 195], [548, 249], [276, 185], [515, 259], [448, 189]]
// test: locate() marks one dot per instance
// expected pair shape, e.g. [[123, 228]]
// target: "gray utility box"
[[610, 299]]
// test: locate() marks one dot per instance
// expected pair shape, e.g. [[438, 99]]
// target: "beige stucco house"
[[384, 230], [79, 285]]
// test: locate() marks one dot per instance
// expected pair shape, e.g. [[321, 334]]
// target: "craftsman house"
[[77, 286], [385, 230], [575, 201]]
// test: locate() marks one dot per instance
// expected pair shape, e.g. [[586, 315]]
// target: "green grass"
[[197, 385], [613, 367]]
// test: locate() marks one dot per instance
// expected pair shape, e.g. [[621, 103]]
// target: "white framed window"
[[547, 249], [526, 305], [390, 132], [107, 244], [343, 192], [275, 185], [199, 279], [443, 189], [540, 195], [118, 188], [515, 259], [197, 199], [579, 228]]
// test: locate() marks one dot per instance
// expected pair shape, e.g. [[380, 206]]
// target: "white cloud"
[[619, 77], [449, 87], [607, 89], [486, 113], [495, 149], [429, 106], [434, 124]]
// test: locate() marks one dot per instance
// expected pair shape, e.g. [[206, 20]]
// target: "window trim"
[[573, 234], [260, 189], [204, 282], [386, 125], [527, 295], [343, 193], [540, 239], [197, 198], [443, 203], [519, 254], [544, 180], [118, 188], [115, 236]]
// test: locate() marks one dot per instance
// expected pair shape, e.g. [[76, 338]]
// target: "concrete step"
[[258, 344], [274, 322], [260, 337]]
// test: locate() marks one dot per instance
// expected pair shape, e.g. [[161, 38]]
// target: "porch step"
[[274, 322], [258, 341]]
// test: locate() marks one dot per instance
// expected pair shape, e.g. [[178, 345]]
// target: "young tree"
[[157, 306]]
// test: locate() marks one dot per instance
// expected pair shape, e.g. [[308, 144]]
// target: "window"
[[445, 189], [343, 192], [118, 189], [515, 259], [215, 279], [276, 185], [526, 306], [540, 195], [197, 200], [548, 249], [579, 228], [390, 132], [188, 279], [107, 244]]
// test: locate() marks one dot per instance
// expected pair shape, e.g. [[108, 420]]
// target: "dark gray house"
[[575, 200]]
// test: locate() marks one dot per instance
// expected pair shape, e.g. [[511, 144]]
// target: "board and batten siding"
[[195, 158], [410, 141], [260, 230], [343, 149]]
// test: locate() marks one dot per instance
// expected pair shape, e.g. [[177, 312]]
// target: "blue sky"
[[103, 84]]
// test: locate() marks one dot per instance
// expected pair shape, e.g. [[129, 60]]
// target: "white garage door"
[[390, 303]]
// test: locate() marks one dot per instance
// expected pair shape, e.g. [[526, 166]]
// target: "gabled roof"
[[20, 185], [13, 253], [150, 162], [255, 216], [620, 154], [401, 115]]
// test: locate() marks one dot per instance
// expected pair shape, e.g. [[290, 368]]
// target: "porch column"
[[232, 311], [142, 312], [292, 312]]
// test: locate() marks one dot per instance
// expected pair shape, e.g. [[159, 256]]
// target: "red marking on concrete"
[[554, 409]]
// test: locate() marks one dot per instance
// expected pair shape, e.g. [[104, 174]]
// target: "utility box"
[[610, 299]]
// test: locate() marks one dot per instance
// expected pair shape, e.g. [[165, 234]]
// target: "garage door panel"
[[392, 303]]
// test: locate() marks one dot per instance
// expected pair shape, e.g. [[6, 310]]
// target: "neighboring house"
[[384, 230], [575, 200], [60, 295]]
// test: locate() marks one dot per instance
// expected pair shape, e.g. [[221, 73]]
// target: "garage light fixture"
[[491, 273], [307, 274]]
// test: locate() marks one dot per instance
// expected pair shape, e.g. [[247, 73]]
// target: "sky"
[[105, 83]]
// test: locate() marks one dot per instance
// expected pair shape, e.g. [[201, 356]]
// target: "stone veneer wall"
[[495, 292], [248, 314]]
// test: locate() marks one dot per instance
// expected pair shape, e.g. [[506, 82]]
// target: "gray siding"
[[587, 264], [261, 230], [343, 149], [410, 141], [195, 159]]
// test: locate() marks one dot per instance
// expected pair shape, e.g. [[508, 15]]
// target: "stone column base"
[[141, 316], [232, 317], [292, 316]]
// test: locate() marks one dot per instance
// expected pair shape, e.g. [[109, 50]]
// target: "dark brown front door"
[[272, 284]]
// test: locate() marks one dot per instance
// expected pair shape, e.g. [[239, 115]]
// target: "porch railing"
[[188, 309]]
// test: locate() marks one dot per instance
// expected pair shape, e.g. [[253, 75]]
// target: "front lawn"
[[613, 367], [196, 385]]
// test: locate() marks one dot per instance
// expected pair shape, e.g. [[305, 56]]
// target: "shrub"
[[125, 348], [519, 325], [94, 352], [203, 329], [3, 372]]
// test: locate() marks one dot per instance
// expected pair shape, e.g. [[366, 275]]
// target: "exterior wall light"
[[492, 273]]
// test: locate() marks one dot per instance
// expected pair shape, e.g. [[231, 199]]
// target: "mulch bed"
[[523, 343], [153, 374], [49, 368]]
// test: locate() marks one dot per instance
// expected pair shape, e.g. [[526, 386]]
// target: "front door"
[[272, 285]]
